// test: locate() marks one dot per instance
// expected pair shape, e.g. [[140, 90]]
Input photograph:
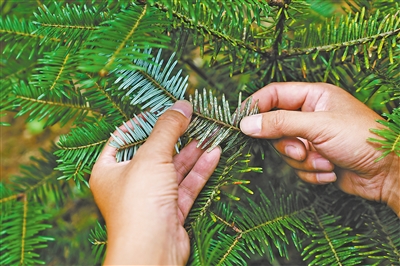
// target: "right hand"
[[322, 132]]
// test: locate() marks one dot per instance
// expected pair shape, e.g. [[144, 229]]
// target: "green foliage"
[[93, 66], [98, 238], [20, 235], [391, 134]]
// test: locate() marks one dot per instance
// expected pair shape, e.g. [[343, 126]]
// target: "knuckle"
[[171, 118], [172, 121], [278, 120]]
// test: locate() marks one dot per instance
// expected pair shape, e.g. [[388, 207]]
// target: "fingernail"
[[324, 178], [184, 107], [321, 164], [293, 152], [251, 124]]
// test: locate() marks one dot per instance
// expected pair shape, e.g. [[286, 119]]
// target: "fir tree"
[[97, 64]]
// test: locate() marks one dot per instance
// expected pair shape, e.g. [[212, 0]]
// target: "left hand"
[[145, 201]]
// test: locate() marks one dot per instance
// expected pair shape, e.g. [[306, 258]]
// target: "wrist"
[[140, 246], [391, 186], [143, 242]]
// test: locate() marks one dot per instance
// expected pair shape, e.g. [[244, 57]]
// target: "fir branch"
[[59, 73], [151, 84], [381, 241], [21, 234], [79, 150], [330, 242], [90, 28], [56, 109], [72, 24], [101, 98], [280, 27], [232, 162], [18, 36], [138, 26], [218, 34], [326, 48], [328, 239], [356, 33], [26, 34], [382, 77], [98, 237], [253, 225], [212, 123], [55, 74], [10, 198], [391, 134], [125, 40], [44, 102], [230, 249], [85, 146], [131, 137]]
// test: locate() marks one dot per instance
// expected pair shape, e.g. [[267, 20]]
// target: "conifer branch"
[[23, 235], [68, 148], [391, 134], [115, 105], [158, 85], [381, 241], [220, 35], [280, 26], [45, 102], [124, 41], [342, 45], [131, 145], [42, 181], [60, 72], [62, 26], [230, 249], [327, 238], [30, 35], [383, 227], [9, 198]]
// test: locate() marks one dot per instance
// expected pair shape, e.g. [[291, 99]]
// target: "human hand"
[[145, 201], [322, 132]]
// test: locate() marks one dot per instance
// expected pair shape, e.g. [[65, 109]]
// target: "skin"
[[322, 132], [319, 129], [145, 201]]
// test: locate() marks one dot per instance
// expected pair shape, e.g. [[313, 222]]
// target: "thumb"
[[282, 123], [168, 128]]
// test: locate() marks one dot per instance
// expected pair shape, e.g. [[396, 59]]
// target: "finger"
[[314, 162], [291, 96], [291, 148], [185, 160], [281, 123], [168, 128], [317, 178], [191, 186]]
